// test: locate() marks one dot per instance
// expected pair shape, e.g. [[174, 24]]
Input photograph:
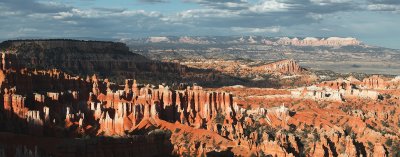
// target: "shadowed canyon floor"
[[51, 112]]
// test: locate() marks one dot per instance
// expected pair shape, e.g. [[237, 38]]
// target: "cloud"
[[63, 15], [22, 18], [271, 6], [394, 2], [222, 4], [153, 1], [33, 6], [383, 7], [58, 20], [256, 30], [262, 14], [328, 2]]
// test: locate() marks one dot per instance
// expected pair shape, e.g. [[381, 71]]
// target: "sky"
[[375, 22]]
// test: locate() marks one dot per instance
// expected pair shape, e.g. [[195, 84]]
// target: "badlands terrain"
[[199, 96]]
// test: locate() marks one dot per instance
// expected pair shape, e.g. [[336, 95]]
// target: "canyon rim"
[[143, 78]]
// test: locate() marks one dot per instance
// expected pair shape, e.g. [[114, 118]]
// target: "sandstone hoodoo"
[[199, 78], [50, 112], [288, 66]]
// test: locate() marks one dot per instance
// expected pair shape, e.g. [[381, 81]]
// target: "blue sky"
[[375, 22]]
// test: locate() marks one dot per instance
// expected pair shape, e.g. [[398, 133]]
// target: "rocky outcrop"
[[311, 41], [317, 93], [193, 106], [105, 59], [287, 66], [379, 150], [340, 90], [86, 57], [374, 82]]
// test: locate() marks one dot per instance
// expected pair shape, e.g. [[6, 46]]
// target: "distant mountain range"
[[229, 40], [331, 53], [294, 41]]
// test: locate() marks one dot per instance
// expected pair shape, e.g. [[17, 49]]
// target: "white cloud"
[[203, 13], [327, 2], [256, 30], [209, 17], [270, 6], [315, 16], [383, 7], [326, 29], [62, 15]]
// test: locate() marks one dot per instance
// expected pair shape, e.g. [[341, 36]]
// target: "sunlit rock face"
[[343, 117], [342, 89], [98, 107], [53, 103], [374, 82], [288, 66]]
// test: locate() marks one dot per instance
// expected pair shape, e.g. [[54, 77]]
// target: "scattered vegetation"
[[219, 118], [389, 142], [384, 123]]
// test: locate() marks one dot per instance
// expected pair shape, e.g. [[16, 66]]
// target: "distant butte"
[[287, 66]]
